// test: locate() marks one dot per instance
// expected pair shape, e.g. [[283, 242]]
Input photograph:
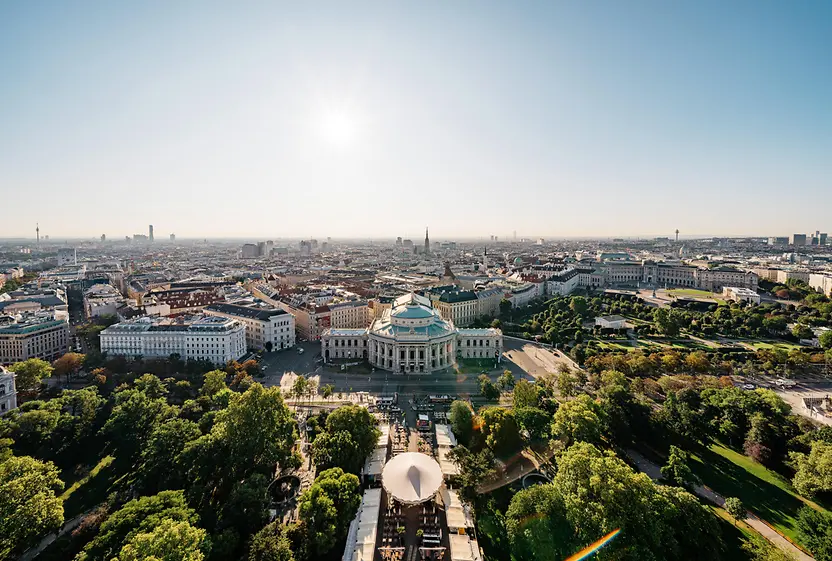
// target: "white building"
[[611, 322], [411, 337], [211, 338], [739, 294], [821, 282], [349, 314], [8, 391], [262, 325]]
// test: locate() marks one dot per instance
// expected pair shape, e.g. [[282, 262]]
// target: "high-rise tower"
[[37, 232], [150, 233], [677, 235], [427, 242]]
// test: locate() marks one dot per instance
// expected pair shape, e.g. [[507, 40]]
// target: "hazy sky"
[[350, 119]]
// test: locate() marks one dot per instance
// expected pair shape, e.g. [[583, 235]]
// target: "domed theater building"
[[411, 337]]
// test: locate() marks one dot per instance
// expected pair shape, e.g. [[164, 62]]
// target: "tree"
[[500, 429], [815, 530], [258, 429], [698, 361], [269, 346], [506, 380], [677, 470], [169, 541], [578, 305], [656, 521], [667, 322], [825, 339], [462, 421], [326, 391], [139, 516], [814, 470], [474, 468], [213, 383], [29, 373], [735, 508], [345, 491], [133, 418], [151, 386], [536, 422], [299, 387], [802, 331], [577, 420], [567, 383], [505, 308], [487, 388], [68, 365], [271, 544], [29, 507], [526, 394], [349, 438], [319, 516], [160, 457], [537, 526]]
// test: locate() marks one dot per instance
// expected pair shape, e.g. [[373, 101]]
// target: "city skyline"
[[558, 120]]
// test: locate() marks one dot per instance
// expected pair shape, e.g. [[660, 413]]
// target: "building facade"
[[215, 339], [460, 306], [33, 337], [8, 391], [263, 326], [411, 337]]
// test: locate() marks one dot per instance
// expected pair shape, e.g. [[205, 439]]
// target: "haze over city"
[[554, 119]]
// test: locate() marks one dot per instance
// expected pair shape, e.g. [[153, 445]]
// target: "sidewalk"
[[654, 472]]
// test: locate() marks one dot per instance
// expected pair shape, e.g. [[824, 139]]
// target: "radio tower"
[[677, 235], [37, 233]]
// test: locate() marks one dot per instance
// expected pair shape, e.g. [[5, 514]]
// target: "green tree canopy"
[[815, 530], [29, 373], [577, 420], [139, 516], [526, 394], [488, 389], [500, 429], [538, 527], [160, 466], [28, 505], [814, 470], [349, 438], [271, 544], [462, 421], [677, 470], [735, 508], [171, 540]]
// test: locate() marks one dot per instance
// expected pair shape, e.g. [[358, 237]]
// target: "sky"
[[376, 119]]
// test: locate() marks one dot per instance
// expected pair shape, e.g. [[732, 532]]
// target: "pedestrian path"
[[654, 472]]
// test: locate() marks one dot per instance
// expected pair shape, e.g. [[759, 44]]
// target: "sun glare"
[[338, 128]]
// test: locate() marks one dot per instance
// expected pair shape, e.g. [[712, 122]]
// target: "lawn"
[[474, 365], [766, 493], [692, 293], [775, 345], [90, 490]]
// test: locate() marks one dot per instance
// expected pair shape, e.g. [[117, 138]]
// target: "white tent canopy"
[[361, 539], [412, 477]]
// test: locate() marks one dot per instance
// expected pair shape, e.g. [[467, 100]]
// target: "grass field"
[[692, 293], [89, 490], [775, 345], [474, 365], [766, 493]]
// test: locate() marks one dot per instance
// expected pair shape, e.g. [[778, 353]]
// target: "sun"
[[338, 128]]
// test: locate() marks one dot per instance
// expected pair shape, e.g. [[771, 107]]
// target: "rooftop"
[[262, 314]]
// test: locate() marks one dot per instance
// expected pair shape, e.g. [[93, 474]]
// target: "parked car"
[[785, 383], [748, 386]]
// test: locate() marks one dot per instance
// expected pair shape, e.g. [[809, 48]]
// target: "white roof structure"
[[412, 477], [375, 462], [464, 548], [447, 466], [457, 514], [446, 440], [361, 539], [444, 436]]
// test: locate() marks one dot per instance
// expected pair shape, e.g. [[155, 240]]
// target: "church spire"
[[427, 241]]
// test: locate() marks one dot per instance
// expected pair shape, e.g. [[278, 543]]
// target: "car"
[[748, 386], [784, 383]]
